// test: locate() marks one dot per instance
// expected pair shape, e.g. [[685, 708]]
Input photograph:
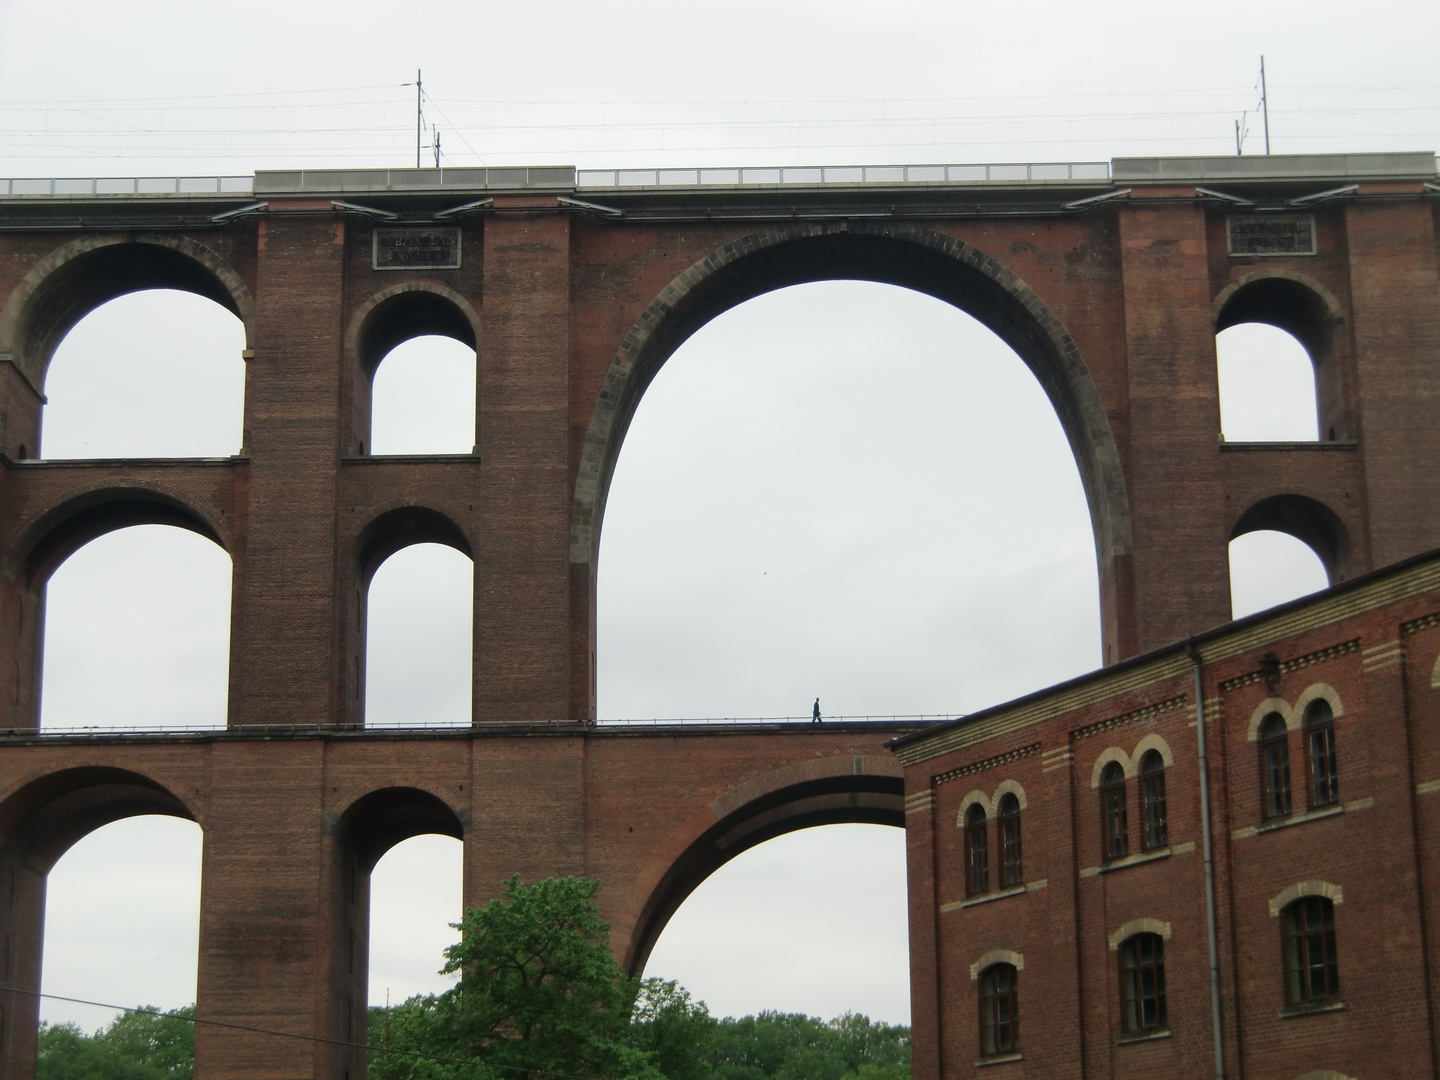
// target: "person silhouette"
[[815, 713]]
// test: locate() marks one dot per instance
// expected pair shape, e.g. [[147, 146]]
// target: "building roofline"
[[1408, 577]]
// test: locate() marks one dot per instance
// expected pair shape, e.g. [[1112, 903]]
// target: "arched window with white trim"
[[1274, 766], [1320, 747], [1114, 827], [1312, 972]]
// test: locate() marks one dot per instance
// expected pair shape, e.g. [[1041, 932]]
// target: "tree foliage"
[[135, 1046], [539, 995]]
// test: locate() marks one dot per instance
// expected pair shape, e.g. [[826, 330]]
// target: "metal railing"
[[271, 730], [129, 185], [846, 174]]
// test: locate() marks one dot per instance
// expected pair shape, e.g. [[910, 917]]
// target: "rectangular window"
[[1324, 776], [1142, 983]]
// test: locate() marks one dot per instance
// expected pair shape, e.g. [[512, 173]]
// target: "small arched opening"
[[1277, 362], [386, 931], [414, 348], [124, 617], [414, 619], [1285, 547]]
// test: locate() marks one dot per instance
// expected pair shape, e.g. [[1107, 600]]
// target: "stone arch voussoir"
[[1029, 325]]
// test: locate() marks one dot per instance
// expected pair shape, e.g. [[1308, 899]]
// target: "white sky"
[[829, 551]]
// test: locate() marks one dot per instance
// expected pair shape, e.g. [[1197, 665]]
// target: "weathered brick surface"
[[1370, 648], [1114, 309]]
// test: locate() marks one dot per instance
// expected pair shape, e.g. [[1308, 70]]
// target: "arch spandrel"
[[75, 279], [909, 256]]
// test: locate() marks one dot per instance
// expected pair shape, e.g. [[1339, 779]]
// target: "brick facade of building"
[[1356, 843]]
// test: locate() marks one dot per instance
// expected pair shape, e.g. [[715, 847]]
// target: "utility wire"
[[305, 1038]]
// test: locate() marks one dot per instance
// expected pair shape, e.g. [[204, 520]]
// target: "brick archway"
[[74, 280], [40, 820], [910, 256], [839, 790]]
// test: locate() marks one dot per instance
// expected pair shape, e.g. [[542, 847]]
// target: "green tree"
[[674, 1029], [539, 993], [135, 1046]]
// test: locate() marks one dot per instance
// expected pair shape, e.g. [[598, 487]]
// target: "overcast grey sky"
[[902, 506]]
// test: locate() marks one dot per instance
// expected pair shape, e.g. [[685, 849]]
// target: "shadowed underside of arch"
[[76, 279], [1309, 521], [843, 798], [42, 820], [67, 528], [909, 256]]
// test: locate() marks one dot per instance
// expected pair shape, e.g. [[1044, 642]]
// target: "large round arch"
[[909, 256], [839, 790], [75, 279]]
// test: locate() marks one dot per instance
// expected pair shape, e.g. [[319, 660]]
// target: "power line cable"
[[305, 1038]]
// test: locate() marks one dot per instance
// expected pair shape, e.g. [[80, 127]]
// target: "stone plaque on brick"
[[1271, 234], [416, 249]]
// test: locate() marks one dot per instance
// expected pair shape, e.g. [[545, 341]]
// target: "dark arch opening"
[[1309, 521], [398, 316], [389, 533], [43, 819], [370, 827], [154, 373], [1311, 319], [841, 799], [948, 271], [401, 528]]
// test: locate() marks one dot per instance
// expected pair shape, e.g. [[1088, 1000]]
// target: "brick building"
[[1071, 916]]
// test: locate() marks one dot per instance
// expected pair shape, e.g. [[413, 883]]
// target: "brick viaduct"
[[1110, 288]]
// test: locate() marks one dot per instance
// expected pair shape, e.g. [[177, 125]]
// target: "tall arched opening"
[[947, 561], [413, 643], [910, 257], [80, 277], [366, 832], [413, 372], [40, 823], [1281, 361], [137, 633]]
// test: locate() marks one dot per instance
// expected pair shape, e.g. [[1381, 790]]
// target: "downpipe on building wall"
[[1206, 848]]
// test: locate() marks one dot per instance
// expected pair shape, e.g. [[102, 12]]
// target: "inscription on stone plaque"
[[1266, 234], [416, 249]]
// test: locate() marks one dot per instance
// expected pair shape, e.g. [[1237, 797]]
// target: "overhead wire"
[[421, 1055]]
